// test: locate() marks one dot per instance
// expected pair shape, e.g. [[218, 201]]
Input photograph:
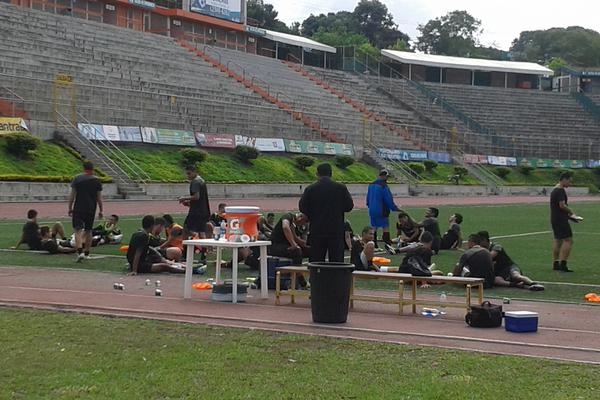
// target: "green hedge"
[[42, 178]]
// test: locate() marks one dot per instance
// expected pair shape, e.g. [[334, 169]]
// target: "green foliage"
[[192, 156], [304, 162], [454, 34], [400, 45], [21, 145], [246, 153], [265, 16], [45, 178], [596, 170], [343, 161], [593, 188], [430, 165], [557, 63], [461, 171], [574, 45], [417, 168], [503, 172], [526, 169]]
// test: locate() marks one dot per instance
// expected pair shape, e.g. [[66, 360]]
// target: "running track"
[[143, 207]]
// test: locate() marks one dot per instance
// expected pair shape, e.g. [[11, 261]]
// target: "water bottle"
[[430, 312], [443, 301], [466, 272]]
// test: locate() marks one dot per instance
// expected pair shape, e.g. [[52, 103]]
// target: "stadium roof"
[[477, 64], [298, 41]]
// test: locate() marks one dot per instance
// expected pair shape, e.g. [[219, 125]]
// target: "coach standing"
[[199, 207], [559, 218], [380, 202], [324, 203], [86, 193]]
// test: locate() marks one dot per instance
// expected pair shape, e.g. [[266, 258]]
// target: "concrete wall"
[[458, 76], [23, 191]]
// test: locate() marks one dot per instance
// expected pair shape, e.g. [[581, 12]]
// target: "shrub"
[[417, 168], [43, 178], [461, 171], [22, 145], [343, 161], [593, 188], [303, 162], [246, 153], [430, 165], [192, 156], [503, 172], [526, 169], [596, 170], [559, 172]]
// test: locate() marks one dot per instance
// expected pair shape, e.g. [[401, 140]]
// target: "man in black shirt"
[[506, 272], [324, 203], [199, 207], [430, 224], [266, 225], [476, 262], [86, 193], [31, 234], [216, 218], [363, 250], [141, 258], [50, 245], [452, 239], [284, 240], [560, 213]]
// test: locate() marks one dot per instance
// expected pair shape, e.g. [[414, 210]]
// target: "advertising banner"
[[149, 135], [475, 159], [176, 137], [592, 163], [130, 134], [304, 147], [501, 161], [511, 161], [230, 10], [262, 144], [443, 158], [215, 141], [12, 125], [404, 155], [338, 149], [91, 131], [111, 133]]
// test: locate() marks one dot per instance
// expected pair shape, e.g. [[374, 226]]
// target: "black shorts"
[[562, 230], [83, 221], [50, 246], [507, 273], [195, 223], [145, 267]]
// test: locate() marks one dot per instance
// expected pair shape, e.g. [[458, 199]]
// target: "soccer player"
[[86, 194], [560, 213], [452, 239], [430, 224], [476, 262], [363, 250], [380, 202]]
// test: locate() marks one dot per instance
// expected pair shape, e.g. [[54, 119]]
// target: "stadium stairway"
[[250, 84]]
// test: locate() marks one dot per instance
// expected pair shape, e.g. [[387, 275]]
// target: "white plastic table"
[[220, 245]]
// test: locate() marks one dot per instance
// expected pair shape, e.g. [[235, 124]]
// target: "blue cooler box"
[[521, 321]]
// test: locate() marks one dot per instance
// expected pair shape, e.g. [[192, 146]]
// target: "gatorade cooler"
[[242, 221], [521, 321]]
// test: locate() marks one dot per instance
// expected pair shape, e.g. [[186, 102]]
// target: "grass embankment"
[[163, 164], [60, 356], [549, 176], [532, 250], [51, 162], [441, 174]]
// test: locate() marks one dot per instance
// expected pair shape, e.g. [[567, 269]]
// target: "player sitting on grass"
[[363, 250], [452, 239], [215, 219], [476, 262], [156, 241], [430, 224], [108, 232], [408, 231], [265, 226], [418, 255], [507, 272], [50, 245], [31, 235], [141, 258]]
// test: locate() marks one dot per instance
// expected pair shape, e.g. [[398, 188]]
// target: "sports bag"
[[415, 266], [487, 315]]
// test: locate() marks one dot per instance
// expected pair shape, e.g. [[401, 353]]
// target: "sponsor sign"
[[12, 125], [443, 158], [404, 155], [111, 133], [592, 163], [501, 161], [176, 137], [130, 134], [511, 161], [338, 149], [143, 4], [304, 147], [547, 163], [256, 31], [149, 135], [215, 141], [91, 131], [230, 10], [475, 159]]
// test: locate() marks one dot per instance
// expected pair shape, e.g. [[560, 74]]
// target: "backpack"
[[487, 315], [415, 266]]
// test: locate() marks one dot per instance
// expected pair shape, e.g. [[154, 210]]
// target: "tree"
[[577, 46], [454, 34], [377, 24], [265, 16]]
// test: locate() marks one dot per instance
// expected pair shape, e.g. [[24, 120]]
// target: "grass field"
[[59, 356], [532, 251]]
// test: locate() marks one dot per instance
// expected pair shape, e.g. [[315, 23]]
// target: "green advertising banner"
[[311, 147], [547, 163], [176, 137]]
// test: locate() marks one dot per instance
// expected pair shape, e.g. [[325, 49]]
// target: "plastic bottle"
[[430, 312], [443, 301], [223, 229]]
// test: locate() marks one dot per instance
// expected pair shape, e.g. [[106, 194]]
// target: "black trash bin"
[[330, 291]]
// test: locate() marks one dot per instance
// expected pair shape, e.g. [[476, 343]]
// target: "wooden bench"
[[468, 283], [292, 291]]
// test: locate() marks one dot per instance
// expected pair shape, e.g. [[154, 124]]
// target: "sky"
[[501, 22]]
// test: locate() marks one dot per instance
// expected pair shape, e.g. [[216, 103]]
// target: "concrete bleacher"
[[124, 77]]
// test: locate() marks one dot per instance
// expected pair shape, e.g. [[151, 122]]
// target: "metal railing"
[[588, 104]]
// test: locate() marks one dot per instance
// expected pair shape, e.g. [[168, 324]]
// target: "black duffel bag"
[[487, 315]]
